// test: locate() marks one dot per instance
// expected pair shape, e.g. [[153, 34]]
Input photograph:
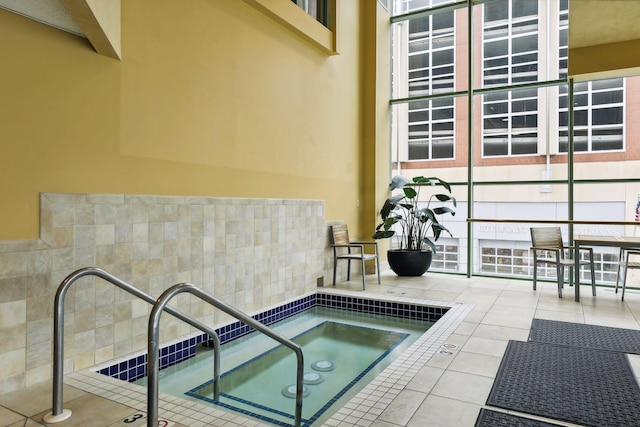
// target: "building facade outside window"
[[598, 116], [519, 126]]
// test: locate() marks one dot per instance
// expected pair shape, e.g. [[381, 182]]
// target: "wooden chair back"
[[546, 237], [339, 234]]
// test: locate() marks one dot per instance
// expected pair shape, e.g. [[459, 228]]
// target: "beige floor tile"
[[478, 313], [561, 316], [468, 388], [439, 295], [482, 301], [91, 411], [511, 317], [467, 328], [138, 419], [502, 333], [27, 423], [442, 412], [425, 379], [8, 417], [440, 360], [403, 407], [36, 399], [380, 423], [517, 299], [486, 346], [477, 364]]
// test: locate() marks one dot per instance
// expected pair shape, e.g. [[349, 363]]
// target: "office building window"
[[510, 42], [446, 257], [598, 116], [507, 261], [405, 6], [319, 9], [563, 39], [431, 54], [510, 56], [429, 43], [431, 129], [510, 123]]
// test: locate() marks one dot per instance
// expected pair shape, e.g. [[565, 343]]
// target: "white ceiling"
[[50, 12]]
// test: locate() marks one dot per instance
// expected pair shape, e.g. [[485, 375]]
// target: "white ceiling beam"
[[100, 21]]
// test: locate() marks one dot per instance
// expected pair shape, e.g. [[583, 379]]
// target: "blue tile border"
[[136, 367]]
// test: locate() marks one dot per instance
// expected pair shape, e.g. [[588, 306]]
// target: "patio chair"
[[629, 259], [351, 250], [548, 248]]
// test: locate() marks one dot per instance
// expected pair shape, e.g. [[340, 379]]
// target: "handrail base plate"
[[52, 419]]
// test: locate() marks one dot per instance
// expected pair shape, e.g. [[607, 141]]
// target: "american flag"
[[637, 218]]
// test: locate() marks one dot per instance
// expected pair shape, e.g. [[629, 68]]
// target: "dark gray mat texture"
[[583, 386], [489, 418], [585, 336]]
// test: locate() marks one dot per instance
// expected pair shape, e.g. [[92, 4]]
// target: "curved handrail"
[[154, 345], [59, 414]]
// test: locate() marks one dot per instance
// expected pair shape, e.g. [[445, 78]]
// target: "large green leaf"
[[398, 181], [443, 209], [429, 243], [446, 198], [389, 205], [383, 234], [409, 192]]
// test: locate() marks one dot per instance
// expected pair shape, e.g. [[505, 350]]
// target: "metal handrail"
[[58, 413], [551, 221], [154, 345]]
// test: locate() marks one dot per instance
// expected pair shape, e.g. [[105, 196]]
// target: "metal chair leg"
[[593, 278], [620, 261], [535, 271], [560, 274], [624, 279]]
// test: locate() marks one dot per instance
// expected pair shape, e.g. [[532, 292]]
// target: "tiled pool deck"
[[442, 380]]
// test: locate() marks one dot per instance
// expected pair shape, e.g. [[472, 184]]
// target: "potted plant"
[[418, 225]]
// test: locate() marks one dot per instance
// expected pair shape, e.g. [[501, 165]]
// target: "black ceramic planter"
[[409, 263]]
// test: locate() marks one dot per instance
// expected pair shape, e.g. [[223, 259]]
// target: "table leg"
[[576, 270]]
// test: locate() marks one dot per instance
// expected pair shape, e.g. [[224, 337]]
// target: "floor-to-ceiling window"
[[481, 92]]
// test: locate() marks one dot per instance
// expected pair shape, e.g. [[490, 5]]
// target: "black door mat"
[[489, 418], [585, 336], [588, 387]]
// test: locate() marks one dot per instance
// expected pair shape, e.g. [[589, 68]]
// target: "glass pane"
[[496, 10], [524, 8], [524, 44], [429, 68], [424, 130], [400, 7], [607, 116], [607, 139], [511, 127], [511, 33], [599, 117]]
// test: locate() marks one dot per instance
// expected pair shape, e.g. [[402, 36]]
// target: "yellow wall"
[[211, 98], [377, 92]]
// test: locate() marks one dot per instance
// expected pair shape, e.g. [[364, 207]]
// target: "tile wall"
[[250, 253]]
